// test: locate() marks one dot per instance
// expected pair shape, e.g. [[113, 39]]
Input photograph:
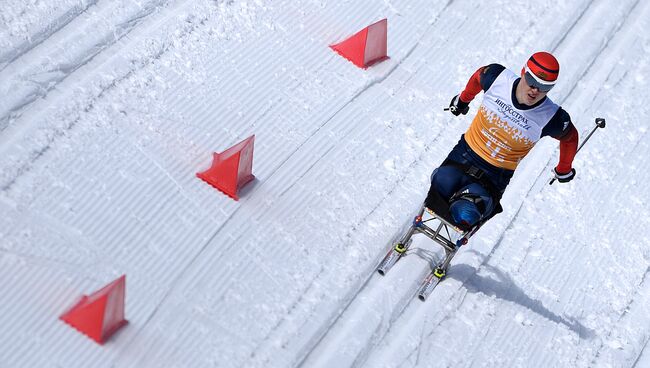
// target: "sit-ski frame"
[[420, 226]]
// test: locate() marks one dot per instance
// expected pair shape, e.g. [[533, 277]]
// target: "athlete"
[[514, 115]]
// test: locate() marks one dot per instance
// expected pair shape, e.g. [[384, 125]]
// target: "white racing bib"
[[502, 134]]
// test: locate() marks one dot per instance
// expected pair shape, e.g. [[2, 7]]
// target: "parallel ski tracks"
[[540, 177], [31, 61], [37, 38], [234, 217], [13, 126]]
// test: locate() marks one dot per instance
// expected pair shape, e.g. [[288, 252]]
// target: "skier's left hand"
[[566, 177]]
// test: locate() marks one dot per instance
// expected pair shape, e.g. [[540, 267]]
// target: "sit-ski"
[[440, 233]]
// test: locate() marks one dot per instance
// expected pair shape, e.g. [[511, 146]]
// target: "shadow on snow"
[[503, 287]]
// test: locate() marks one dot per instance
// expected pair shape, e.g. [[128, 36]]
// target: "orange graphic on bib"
[[497, 142]]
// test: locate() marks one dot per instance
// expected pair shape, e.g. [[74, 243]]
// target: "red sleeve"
[[568, 149], [473, 87]]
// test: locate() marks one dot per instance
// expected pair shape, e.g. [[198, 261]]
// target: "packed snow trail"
[[97, 180], [362, 333], [71, 40], [422, 334]]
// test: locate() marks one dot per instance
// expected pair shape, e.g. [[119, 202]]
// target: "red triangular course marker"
[[232, 168], [100, 314], [367, 46]]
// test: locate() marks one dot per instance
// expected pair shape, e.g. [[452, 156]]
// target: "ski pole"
[[600, 123]]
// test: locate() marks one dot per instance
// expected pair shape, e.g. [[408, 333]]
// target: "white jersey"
[[502, 134]]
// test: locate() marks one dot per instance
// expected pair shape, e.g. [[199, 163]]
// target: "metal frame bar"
[[435, 234], [420, 227]]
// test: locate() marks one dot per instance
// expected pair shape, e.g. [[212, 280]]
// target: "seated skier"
[[514, 115]]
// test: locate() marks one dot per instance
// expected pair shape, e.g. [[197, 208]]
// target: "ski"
[[430, 282], [434, 277], [392, 257], [440, 234]]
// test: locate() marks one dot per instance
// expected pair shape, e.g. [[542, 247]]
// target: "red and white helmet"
[[541, 71]]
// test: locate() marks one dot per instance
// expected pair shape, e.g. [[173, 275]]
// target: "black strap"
[[480, 177]]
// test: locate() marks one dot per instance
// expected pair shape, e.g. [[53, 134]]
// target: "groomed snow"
[[108, 109]]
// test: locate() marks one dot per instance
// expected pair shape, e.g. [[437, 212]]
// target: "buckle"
[[475, 172]]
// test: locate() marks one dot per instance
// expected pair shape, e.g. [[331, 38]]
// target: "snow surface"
[[109, 108]]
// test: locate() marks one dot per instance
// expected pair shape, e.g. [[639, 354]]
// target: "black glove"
[[457, 106], [564, 178]]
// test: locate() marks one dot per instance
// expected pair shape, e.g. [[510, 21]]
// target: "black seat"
[[438, 205]]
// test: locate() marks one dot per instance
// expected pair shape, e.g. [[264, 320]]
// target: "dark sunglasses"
[[537, 83]]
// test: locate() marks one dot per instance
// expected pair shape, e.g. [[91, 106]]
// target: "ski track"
[[314, 137], [8, 188], [581, 330], [118, 131], [410, 296], [505, 233], [37, 35], [32, 65]]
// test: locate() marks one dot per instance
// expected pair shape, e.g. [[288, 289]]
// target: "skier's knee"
[[447, 180]]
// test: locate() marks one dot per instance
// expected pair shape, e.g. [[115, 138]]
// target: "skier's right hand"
[[457, 106]]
